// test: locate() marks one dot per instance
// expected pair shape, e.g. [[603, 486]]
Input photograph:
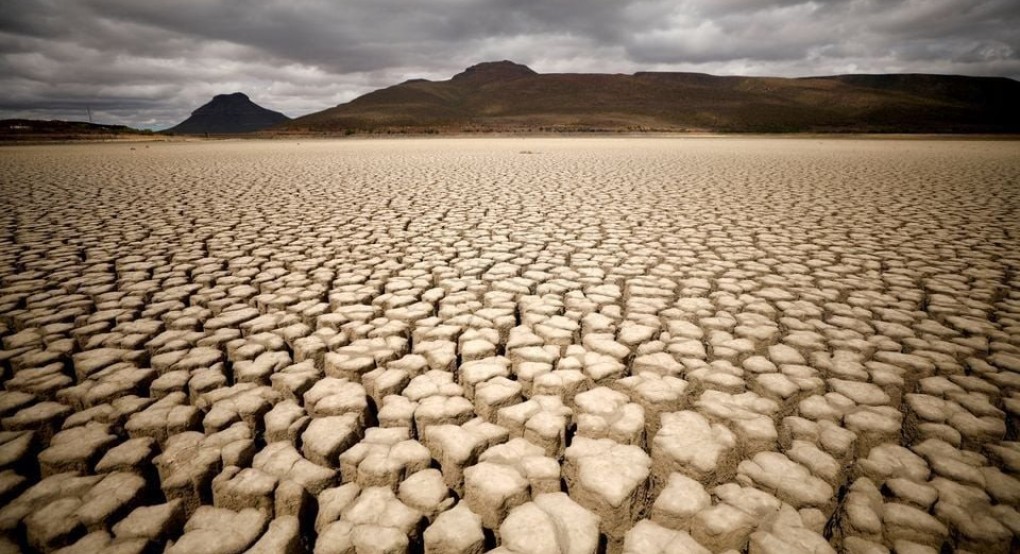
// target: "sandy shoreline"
[[494, 135]]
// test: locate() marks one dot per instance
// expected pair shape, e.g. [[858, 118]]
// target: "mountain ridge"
[[501, 96]]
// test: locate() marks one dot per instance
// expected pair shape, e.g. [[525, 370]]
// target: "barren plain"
[[530, 346]]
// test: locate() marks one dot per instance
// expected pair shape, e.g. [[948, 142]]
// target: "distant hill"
[[505, 96], [228, 114], [32, 130]]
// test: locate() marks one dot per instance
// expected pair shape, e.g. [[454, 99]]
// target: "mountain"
[[228, 114], [32, 130], [505, 96]]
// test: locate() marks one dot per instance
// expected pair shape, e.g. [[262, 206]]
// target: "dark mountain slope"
[[228, 114]]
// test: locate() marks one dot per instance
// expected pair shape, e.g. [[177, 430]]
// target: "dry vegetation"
[[527, 345], [32, 131]]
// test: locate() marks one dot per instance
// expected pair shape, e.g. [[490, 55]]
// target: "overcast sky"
[[149, 63]]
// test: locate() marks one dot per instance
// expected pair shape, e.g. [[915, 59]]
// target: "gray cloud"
[[149, 64]]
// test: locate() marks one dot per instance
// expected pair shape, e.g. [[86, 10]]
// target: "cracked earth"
[[526, 346]]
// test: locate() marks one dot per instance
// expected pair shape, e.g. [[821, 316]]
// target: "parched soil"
[[564, 346]]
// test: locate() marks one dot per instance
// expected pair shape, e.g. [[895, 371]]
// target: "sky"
[[150, 63]]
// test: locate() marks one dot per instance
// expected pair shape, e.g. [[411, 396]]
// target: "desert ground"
[[526, 345]]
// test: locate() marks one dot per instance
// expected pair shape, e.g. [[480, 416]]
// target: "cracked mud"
[[511, 345]]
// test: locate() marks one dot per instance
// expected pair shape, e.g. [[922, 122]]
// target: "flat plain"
[[526, 345]]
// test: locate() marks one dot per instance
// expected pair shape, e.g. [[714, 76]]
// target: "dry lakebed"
[[516, 345]]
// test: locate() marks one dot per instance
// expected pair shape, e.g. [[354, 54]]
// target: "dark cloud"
[[150, 63]]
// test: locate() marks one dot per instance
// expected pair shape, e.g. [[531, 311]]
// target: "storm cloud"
[[149, 64]]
